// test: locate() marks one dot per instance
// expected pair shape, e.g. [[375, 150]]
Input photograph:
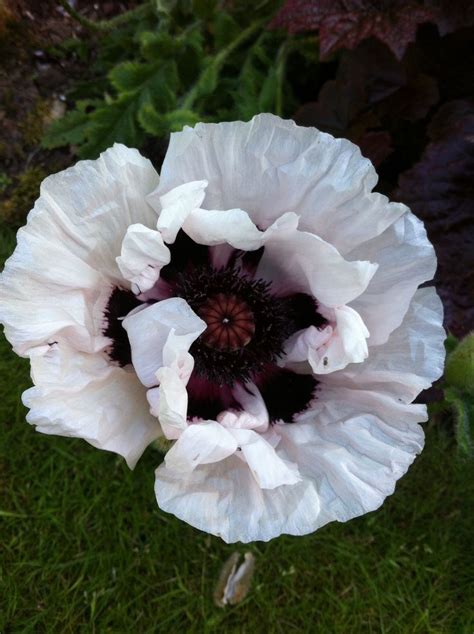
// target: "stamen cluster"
[[253, 336]]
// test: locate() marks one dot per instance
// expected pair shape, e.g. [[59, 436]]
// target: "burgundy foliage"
[[402, 88], [440, 190], [346, 23]]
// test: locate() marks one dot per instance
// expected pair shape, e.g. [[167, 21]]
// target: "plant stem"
[[281, 58], [104, 25], [218, 62]]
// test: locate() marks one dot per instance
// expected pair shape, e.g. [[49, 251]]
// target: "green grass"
[[84, 548]]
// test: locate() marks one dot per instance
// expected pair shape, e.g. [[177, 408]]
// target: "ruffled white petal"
[[358, 440], [175, 206], [143, 255], [254, 413], [306, 263], [82, 395], [331, 348], [269, 166], [359, 458], [225, 499], [169, 402], [348, 459], [65, 258], [347, 343], [300, 345], [90, 206], [149, 330], [232, 226], [202, 443], [406, 259], [413, 357], [268, 469]]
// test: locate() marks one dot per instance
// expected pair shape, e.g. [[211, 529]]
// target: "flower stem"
[[216, 64], [104, 25], [280, 65]]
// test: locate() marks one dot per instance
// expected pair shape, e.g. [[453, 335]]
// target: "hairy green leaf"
[[159, 124], [71, 129], [114, 123], [463, 409]]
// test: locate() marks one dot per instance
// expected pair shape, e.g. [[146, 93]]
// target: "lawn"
[[85, 548]]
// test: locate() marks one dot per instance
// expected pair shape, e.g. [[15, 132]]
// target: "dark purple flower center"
[[247, 326], [230, 322]]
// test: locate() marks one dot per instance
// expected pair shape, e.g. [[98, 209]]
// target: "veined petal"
[[269, 470], [176, 205], [143, 255], [225, 499], [347, 344], [90, 206], [412, 358], [359, 459], [170, 402], [270, 166], [81, 395], [66, 253], [232, 226], [406, 259], [254, 414], [298, 347], [201, 443], [148, 331], [307, 263]]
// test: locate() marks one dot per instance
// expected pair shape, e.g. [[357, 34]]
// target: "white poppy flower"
[[260, 302]]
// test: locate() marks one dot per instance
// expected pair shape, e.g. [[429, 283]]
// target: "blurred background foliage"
[[396, 78]]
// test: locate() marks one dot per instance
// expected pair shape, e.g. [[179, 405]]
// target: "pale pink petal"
[[169, 402], [65, 258], [142, 257], [270, 166], [201, 443], [303, 262], [157, 322], [406, 259], [299, 345], [413, 357], [225, 499], [355, 460], [268, 469], [175, 206], [232, 226], [347, 343], [83, 396]]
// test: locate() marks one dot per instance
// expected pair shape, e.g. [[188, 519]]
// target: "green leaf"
[[225, 29], [451, 343], [147, 83], [462, 406], [459, 371], [267, 97], [152, 121], [159, 45], [112, 123], [204, 9], [131, 76], [208, 80], [160, 80], [160, 124], [179, 118], [72, 129]]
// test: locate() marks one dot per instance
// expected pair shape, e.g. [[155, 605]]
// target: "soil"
[[34, 81]]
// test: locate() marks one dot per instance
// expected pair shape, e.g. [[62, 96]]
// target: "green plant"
[[459, 391], [172, 64]]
